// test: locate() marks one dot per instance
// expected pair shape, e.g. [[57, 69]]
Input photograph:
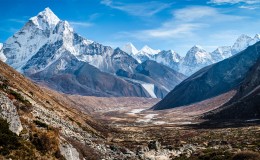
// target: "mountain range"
[[48, 50], [195, 59]]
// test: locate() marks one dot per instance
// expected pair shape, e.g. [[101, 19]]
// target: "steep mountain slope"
[[246, 103], [154, 77], [43, 122], [160, 73], [69, 75], [212, 80]]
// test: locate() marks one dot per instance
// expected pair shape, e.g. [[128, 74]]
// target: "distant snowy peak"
[[255, 39], [241, 43], [197, 55], [130, 49], [221, 53], [45, 19], [169, 55], [175, 56], [147, 50], [1, 46], [195, 59]]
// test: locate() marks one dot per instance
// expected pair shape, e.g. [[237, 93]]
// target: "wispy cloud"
[[137, 9], [81, 24], [94, 16], [243, 4], [17, 20], [197, 13], [234, 1], [185, 23], [165, 32]]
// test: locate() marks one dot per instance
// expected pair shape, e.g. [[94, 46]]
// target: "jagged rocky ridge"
[[212, 80], [47, 49]]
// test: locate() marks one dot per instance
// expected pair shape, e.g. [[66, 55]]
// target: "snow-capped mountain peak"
[[195, 49], [221, 53], [175, 56], [45, 17], [146, 49], [130, 49], [195, 59], [197, 55], [257, 36], [255, 39], [241, 43]]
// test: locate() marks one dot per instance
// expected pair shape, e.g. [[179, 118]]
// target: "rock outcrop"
[[9, 112]]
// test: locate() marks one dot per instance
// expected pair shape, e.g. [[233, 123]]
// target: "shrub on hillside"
[[246, 155], [8, 139]]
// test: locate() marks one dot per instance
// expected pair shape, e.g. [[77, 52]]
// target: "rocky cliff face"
[[8, 111]]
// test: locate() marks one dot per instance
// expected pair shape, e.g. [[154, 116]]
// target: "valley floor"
[[135, 131], [176, 133]]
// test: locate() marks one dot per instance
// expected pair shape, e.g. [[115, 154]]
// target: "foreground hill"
[[37, 124], [212, 80]]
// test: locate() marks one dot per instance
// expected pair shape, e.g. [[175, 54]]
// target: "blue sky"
[[165, 24]]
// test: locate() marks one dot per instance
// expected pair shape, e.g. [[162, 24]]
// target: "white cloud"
[[203, 13], [243, 4], [234, 1], [193, 13], [178, 31], [250, 7], [138, 9], [17, 20], [185, 23], [81, 24]]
